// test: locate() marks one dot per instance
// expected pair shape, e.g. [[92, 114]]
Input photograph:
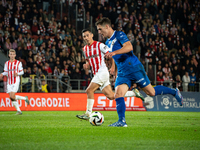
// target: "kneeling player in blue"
[[129, 69]]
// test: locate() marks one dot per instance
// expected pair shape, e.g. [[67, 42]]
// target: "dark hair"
[[85, 30], [103, 21]]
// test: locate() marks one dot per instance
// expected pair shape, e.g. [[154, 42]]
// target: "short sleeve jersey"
[[115, 42], [10, 68], [94, 54]]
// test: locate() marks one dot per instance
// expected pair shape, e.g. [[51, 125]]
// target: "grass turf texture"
[[61, 130]]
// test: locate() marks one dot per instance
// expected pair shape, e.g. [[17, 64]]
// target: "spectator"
[[175, 72], [62, 35], [166, 79], [34, 28], [69, 42], [7, 45], [78, 57], [65, 79], [45, 87], [186, 81], [39, 41], [171, 81], [75, 75], [47, 68], [178, 82], [182, 71], [192, 82], [166, 69], [160, 79], [46, 5], [14, 44]]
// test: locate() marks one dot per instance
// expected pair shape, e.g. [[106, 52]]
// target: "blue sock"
[[121, 108], [159, 90]]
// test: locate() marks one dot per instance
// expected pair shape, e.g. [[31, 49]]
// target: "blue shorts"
[[136, 74]]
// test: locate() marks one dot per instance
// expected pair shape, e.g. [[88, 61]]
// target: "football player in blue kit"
[[129, 69]]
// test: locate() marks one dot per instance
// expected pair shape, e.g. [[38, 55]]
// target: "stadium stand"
[[46, 38]]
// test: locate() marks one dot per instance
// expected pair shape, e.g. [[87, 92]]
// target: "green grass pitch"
[[61, 130]]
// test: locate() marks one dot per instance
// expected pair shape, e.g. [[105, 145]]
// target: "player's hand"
[[108, 62], [1, 76], [112, 71], [109, 55], [15, 74]]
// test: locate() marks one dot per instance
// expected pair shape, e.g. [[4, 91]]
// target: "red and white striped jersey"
[[94, 54], [10, 68]]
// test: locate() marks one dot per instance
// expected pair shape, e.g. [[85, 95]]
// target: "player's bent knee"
[[87, 91], [152, 93], [117, 96], [12, 98], [110, 97]]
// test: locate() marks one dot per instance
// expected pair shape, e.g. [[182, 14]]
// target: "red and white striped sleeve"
[[21, 71], [104, 48]]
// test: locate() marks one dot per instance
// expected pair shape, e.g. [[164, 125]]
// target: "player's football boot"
[[119, 124], [179, 97], [19, 113], [138, 94], [84, 117], [27, 100]]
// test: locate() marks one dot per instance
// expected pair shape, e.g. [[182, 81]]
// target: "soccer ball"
[[96, 119]]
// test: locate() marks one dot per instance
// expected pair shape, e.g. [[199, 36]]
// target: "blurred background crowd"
[[46, 35]]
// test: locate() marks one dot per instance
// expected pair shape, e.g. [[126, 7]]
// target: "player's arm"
[[86, 65], [127, 47], [5, 72], [113, 68], [110, 63], [21, 70], [1, 76]]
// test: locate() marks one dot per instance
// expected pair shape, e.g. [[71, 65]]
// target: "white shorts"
[[12, 87], [101, 78]]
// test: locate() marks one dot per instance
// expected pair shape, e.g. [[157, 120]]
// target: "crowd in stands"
[[164, 33]]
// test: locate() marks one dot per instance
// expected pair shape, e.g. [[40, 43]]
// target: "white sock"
[[90, 103], [15, 103], [20, 97], [129, 94]]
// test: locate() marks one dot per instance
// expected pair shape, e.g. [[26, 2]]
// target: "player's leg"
[[18, 97], [120, 91], [90, 100], [15, 103], [159, 89], [135, 92], [122, 84], [90, 96], [162, 90], [108, 92]]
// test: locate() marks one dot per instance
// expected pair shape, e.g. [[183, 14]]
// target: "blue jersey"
[[123, 61]]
